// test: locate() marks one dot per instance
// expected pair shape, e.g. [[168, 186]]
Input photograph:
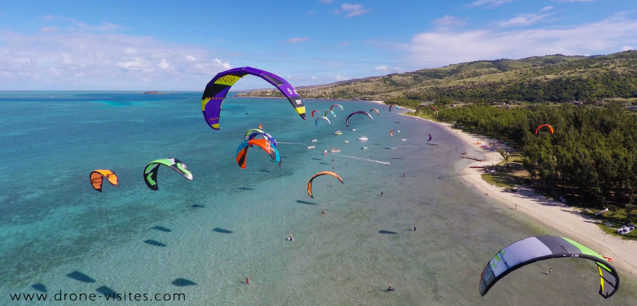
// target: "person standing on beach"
[[381, 194], [248, 280]]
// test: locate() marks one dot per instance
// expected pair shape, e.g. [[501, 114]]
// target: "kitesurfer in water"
[[291, 238], [390, 289]]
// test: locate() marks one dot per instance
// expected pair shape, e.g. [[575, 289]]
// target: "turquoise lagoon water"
[[203, 237]]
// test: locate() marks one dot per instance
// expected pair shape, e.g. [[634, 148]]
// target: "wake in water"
[[366, 159]]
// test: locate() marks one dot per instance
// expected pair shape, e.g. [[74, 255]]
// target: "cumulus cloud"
[[352, 10], [387, 69], [489, 3], [448, 21], [73, 60], [524, 20], [295, 40], [438, 48]]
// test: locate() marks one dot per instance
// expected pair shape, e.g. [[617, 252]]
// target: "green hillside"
[[553, 78]]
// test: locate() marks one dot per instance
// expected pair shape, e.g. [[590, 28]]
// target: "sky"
[[181, 45]]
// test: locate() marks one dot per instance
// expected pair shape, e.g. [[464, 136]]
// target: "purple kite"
[[218, 88]]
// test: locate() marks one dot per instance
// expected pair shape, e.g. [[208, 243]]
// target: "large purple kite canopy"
[[218, 88]]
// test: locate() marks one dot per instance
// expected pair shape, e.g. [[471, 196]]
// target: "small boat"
[[353, 130], [404, 139], [346, 141], [311, 147], [364, 148], [338, 133], [335, 150], [363, 138], [391, 147], [314, 140]]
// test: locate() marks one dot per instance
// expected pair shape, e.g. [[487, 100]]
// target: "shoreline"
[[546, 211]]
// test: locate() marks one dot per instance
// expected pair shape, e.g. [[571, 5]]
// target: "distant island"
[[154, 92]]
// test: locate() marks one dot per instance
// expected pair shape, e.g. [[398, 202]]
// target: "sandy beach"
[[547, 211]]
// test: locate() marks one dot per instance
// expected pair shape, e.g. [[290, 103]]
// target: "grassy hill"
[[553, 78]]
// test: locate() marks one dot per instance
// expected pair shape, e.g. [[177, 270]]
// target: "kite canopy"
[[264, 144], [375, 110], [330, 173], [324, 118], [532, 249], [391, 133], [358, 112], [329, 111], [419, 108], [429, 138], [218, 87], [337, 105], [97, 178], [253, 133], [315, 111], [150, 173], [544, 125], [392, 105]]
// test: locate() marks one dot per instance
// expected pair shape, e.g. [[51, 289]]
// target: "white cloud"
[[112, 61], [352, 10], [49, 29], [627, 48], [295, 40], [523, 20], [164, 64], [440, 48], [387, 69], [448, 21], [490, 3]]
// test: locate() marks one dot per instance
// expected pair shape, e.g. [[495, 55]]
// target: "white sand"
[[548, 212]]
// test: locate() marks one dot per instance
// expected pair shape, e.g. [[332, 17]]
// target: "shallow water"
[[203, 237]]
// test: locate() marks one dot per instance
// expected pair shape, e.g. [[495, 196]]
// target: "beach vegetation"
[[590, 160]]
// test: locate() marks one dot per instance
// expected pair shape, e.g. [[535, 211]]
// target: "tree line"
[[592, 153]]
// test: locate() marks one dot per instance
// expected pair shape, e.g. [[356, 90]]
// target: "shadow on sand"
[[245, 188], [155, 243], [305, 202], [39, 287], [182, 282], [161, 229], [197, 206], [79, 276], [387, 232], [222, 230], [107, 292]]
